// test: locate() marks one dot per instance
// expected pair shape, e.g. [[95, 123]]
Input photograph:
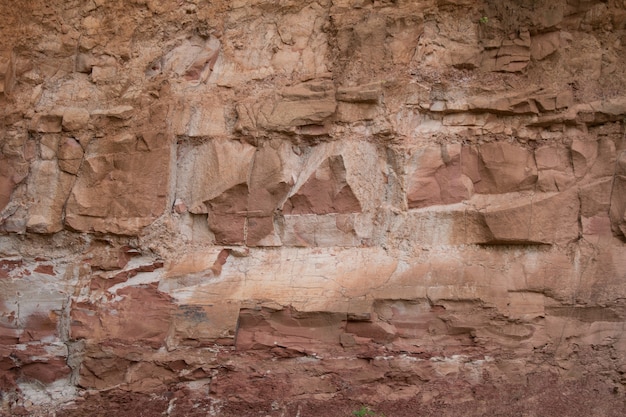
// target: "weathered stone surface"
[[310, 103], [225, 164], [245, 207], [70, 155], [507, 55], [554, 169], [356, 112], [241, 185], [46, 123], [192, 60], [595, 203], [544, 45], [533, 218], [456, 224], [525, 102], [8, 66], [499, 167], [75, 118], [118, 321], [45, 215], [117, 112], [592, 159], [617, 209], [245, 189], [343, 230], [121, 190], [326, 191], [6, 189], [197, 119], [286, 114], [17, 151], [437, 177], [360, 94], [607, 110]]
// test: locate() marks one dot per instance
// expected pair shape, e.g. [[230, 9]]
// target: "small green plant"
[[484, 20], [364, 411]]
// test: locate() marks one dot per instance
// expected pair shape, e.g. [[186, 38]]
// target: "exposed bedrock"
[[241, 207]]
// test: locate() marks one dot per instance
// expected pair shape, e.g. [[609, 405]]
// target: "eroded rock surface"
[[304, 208]]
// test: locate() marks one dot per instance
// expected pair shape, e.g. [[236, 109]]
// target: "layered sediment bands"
[[302, 208]]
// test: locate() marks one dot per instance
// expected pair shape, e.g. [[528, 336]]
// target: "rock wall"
[[298, 208]]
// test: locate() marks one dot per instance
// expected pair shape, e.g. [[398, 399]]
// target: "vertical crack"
[[614, 179]]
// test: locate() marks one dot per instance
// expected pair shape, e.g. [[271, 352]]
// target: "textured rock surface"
[[301, 208]]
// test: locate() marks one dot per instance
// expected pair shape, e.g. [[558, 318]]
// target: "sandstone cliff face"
[[272, 205]]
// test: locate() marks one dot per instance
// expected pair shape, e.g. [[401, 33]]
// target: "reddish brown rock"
[[14, 163], [39, 326], [239, 207], [533, 219], [326, 191], [102, 372], [310, 208], [70, 155], [496, 168], [116, 112], [437, 178], [288, 114], [529, 102], [75, 118], [323, 231], [617, 209], [288, 329], [101, 199], [7, 266], [544, 45], [193, 60], [592, 158], [102, 255], [507, 55], [45, 269], [195, 117], [227, 215], [554, 169], [189, 325], [46, 372], [119, 320], [6, 189], [46, 123], [45, 215], [245, 212], [595, 198], [8, 67]]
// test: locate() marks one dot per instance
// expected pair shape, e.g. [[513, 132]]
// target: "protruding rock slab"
[[532, 219], [499, 167], [618, 198], [435, 177]]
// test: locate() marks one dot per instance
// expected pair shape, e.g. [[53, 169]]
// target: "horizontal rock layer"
[[234, 207]]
